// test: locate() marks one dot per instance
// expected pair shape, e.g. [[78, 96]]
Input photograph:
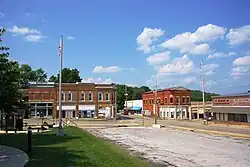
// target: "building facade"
[[133, 107], [79, 100], [197, 109], [172, 103], [232, 108]]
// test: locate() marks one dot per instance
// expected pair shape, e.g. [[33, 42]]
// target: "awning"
[[135, 108], [86, 107], [67, 107], [234, 110]]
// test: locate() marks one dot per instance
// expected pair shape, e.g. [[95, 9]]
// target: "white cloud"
[[146, 38], [1, 15], [241, 61], [239, 71], [239, 35], [23, 30], [190, 80], [193, 43], [97, 80], [182, 65], [34, 38], [29, 34], [159, 58], [70, 38], [241, 66], [209, 69], [220, 55], [110, 69], [210, 83]]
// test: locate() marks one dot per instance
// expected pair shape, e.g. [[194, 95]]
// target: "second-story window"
[[100, 96], [107, 96], [63, 96], [171, 99], [178, 99], [166, 100], [183, 99], [69, 96], [90, 96], [82, 96], [187, 100]]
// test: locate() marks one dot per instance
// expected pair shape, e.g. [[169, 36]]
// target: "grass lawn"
[[76, 148]]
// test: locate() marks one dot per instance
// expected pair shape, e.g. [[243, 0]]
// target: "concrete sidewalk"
[[12, 157]]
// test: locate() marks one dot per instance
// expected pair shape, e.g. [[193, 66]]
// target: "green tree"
[[10, 93], [53, 78], [41, 76], [68, 76], [134, 93], [28, 74], [196, 95]]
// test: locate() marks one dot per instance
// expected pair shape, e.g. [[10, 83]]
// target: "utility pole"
[[126, 95], [156, 113], [203, 90]]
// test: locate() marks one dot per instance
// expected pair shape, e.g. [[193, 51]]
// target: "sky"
[[135, 42]]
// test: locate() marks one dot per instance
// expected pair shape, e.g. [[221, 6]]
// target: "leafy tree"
[[134, 93], [68, 76], [196, 95], [10, 93], [27, 75], [53, 78], [41, 76]]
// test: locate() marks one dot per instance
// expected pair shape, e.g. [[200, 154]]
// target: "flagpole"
[[60, 130]]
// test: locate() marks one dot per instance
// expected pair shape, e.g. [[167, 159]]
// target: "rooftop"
[[234, 95], [168, 89]]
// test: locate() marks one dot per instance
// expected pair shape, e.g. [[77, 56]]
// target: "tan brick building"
[[232, 108], [78, 99]]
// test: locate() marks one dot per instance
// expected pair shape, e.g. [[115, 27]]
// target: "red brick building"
[[78, 99], [232, 108], [173, 103]]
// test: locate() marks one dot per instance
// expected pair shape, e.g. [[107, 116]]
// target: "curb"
[[212, 132]]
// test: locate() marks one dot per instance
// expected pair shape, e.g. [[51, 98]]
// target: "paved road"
[[196, 125], [173, 148]]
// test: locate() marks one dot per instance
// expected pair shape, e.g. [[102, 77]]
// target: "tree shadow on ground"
[[48, 149]]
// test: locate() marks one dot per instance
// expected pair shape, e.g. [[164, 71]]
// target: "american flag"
[[60, 48]]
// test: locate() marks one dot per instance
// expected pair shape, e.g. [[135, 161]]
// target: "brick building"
[[78, 99], [232, 108], [173, 103], [197, 109]]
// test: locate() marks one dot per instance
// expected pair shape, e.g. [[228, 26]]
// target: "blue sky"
[[135, 42]]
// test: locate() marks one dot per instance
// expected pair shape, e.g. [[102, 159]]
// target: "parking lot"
[[169, 147]]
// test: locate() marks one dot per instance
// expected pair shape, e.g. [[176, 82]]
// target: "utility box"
[[11, 121]]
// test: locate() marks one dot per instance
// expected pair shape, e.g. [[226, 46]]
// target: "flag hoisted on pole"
[[60, 53]]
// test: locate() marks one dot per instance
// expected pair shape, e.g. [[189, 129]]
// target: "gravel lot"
[[170, 147]]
